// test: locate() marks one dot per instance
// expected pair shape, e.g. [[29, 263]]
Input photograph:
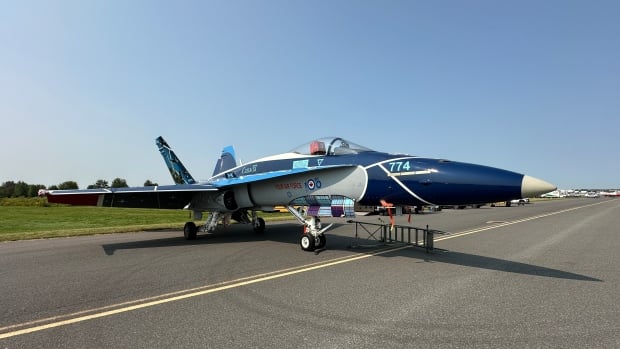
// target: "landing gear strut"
[[313, 237], [258, 223], [190, 229]]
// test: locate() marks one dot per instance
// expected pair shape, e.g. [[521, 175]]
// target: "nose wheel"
[[308, 242]]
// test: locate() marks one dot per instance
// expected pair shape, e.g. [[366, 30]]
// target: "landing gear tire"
[[259, 226], [307, 242], [321, 241], [190, 230]]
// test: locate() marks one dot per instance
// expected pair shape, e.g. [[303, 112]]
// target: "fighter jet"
[[324, 177]]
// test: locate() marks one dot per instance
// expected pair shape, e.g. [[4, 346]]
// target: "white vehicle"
[[519, 202], [591, 194]]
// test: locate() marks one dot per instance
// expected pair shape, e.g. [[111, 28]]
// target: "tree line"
[[11, 189]]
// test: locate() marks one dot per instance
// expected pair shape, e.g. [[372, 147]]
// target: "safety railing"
[[387, 233]]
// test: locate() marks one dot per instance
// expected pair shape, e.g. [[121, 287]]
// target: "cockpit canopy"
[[330, 146]]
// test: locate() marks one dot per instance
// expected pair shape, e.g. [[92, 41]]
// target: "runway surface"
[[545, 275]]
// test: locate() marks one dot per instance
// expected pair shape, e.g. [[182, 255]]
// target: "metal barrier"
[[415, 236]]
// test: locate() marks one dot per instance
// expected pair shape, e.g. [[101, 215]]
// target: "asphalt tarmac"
[[545, 275]]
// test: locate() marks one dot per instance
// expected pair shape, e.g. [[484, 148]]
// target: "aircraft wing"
[[163, 196]]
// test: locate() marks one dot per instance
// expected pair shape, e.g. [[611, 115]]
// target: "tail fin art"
[[227, 161], [179, 173]]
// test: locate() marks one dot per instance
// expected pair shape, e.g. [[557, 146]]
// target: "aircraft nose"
[[531, 187]]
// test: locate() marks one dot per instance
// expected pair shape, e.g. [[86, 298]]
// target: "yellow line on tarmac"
[[204, 290], [503, 224], [148, 302]]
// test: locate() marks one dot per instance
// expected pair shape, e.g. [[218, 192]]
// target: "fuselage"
[[399, 179], [328, 175]]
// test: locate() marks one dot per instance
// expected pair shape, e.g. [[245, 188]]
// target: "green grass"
[[27, 222], [36, 222], [40, 202]]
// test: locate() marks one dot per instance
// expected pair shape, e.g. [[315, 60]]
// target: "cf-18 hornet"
[[325, 177]]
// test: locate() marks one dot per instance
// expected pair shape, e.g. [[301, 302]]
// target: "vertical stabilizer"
[[227, 161], [179, 173]]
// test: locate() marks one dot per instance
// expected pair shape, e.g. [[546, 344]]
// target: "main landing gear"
[[313, 236], [190, 230]]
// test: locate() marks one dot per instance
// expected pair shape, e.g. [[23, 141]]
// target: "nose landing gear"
[[313, 237]]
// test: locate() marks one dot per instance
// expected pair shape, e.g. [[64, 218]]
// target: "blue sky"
[[87, 86]]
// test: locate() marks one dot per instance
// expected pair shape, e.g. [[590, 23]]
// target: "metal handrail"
[[423, 237]]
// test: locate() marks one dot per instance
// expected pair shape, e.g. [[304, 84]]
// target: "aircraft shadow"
[[490, 263], [285, 233], [290, 233]]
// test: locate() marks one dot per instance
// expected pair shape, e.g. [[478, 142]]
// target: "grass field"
[[32, 222], [21, 222]]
